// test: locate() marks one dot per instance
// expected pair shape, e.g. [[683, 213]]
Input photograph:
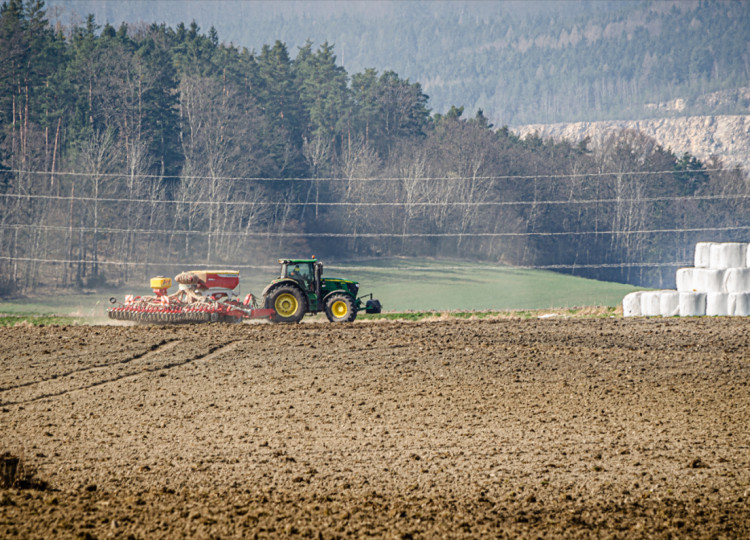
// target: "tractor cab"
[[307, 273]]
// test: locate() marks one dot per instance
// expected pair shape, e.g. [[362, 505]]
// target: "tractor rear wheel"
[[289, 303], [340, 308]]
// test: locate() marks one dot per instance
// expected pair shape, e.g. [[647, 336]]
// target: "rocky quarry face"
[[714, 124], [723, 136]]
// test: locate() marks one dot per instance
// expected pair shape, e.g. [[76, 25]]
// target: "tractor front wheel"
[[340, 308], [289, 303]]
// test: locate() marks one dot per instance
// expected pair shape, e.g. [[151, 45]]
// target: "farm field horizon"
[[402, 285]]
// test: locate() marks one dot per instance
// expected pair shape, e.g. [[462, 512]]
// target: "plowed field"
[[553, 427]]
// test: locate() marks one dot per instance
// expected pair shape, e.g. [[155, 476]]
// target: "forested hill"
[[129, 150], [520, 62]]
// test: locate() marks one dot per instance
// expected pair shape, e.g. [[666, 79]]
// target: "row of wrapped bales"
[[722, 255], [719, 284], [685, 304], [715, 280]]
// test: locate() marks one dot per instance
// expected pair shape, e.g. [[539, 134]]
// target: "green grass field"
[[417, 287], [452, 286]]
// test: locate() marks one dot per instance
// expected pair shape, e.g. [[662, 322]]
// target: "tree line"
[[126, 150]]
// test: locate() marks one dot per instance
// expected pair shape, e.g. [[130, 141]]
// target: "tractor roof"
[[295, 261]]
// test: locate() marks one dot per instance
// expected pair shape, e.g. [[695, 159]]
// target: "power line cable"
[[610, 200], [338, 267], [277, 234], [363, 179]]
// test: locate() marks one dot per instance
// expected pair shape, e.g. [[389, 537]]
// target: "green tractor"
[[302, 289]]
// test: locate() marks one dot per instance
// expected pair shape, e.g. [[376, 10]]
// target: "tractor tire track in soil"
[[157, 347], [143, 363], [458, 428], [86, 377]]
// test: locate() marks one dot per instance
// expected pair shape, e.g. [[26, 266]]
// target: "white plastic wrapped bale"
[[692, 304], [650, 303], [717, 304], [745, 255], [709, 279], [739, 304], [728, 255], [669, 304], [631, 304], [703, 254], [684, 279], [737, 280], [700, 280]]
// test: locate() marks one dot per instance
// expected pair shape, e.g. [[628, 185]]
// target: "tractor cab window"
[[301, 272]]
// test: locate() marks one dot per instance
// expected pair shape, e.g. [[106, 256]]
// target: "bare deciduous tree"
[[220, 145], [97, 157]]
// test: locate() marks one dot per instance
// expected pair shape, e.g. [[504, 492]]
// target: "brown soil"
[[554, 427]]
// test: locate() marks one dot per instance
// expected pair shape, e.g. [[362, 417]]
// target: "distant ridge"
[[520, 62]]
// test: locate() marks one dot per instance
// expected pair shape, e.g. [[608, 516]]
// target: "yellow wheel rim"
[[339, 309], [286, 305]]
